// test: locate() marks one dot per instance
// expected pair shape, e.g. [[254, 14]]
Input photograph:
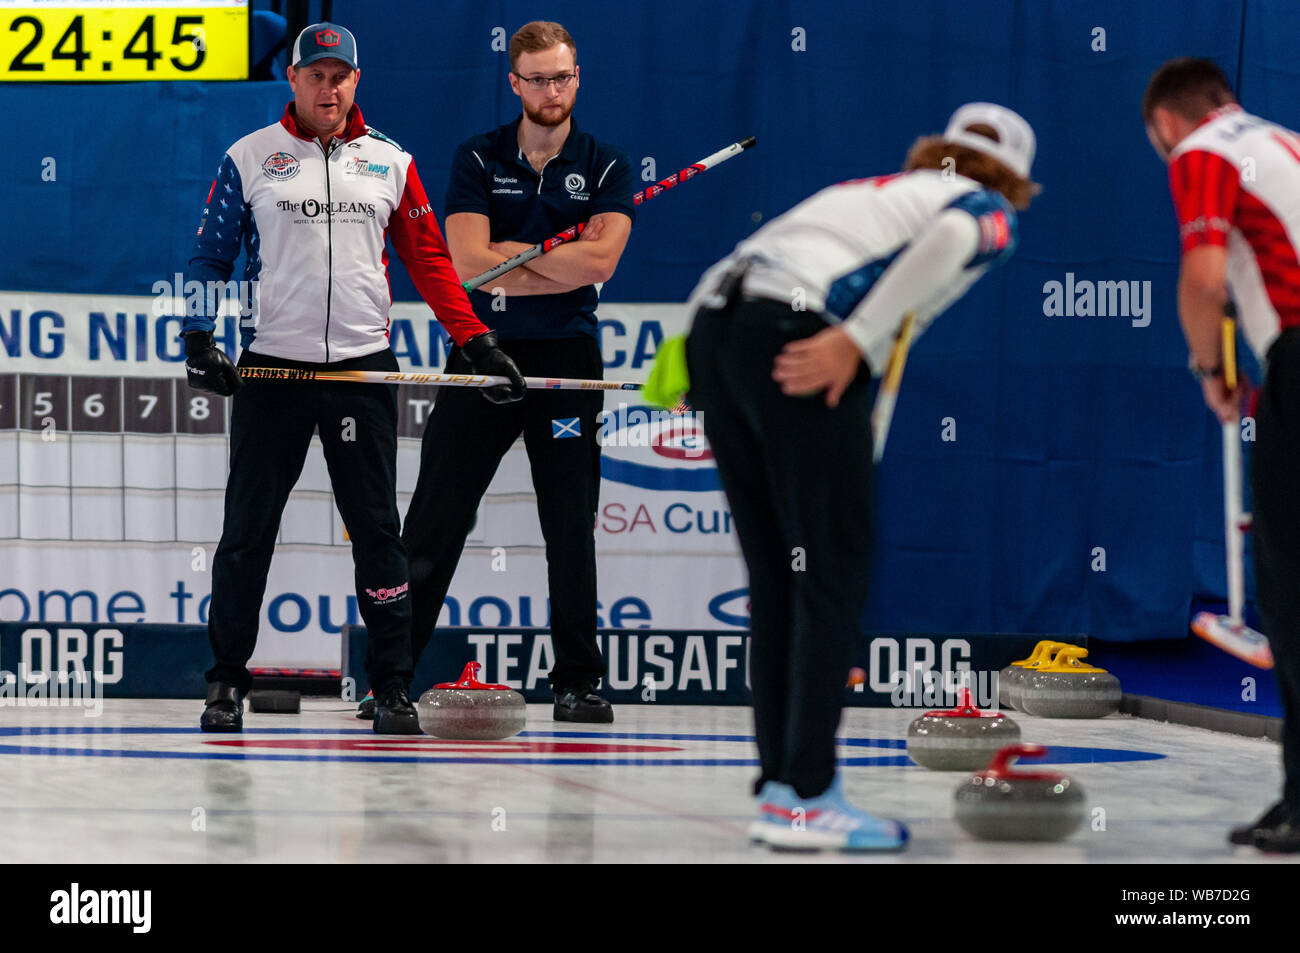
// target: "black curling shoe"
[[1245, 834], [1280, 838], [582, 704], [225, 708], [394, 713]]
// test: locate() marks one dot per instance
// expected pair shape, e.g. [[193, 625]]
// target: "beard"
[[549, 116]]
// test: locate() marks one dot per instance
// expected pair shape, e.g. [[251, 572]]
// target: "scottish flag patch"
[[566, 427]]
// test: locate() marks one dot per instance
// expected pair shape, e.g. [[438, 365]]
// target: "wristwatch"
[[1200, 373]]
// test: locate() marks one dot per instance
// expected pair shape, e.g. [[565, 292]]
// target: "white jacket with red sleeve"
[[313, 225]]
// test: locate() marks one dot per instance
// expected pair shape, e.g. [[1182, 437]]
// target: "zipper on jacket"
[[542, 174], [329, 243]]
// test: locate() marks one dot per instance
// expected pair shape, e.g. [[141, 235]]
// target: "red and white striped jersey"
[[1236, 182]]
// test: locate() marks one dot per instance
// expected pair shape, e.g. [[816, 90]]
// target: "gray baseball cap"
[[324, 41]]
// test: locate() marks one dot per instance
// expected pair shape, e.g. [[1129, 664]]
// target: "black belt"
[[731, 287]]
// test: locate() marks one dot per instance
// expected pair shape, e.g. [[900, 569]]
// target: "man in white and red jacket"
[[310, 200], [1235, 182]]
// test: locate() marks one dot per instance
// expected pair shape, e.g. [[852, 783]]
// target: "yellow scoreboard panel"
[[97, 42]]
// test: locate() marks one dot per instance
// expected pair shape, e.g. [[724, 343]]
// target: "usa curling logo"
[[280, 166], [731, 607], [656, 450]]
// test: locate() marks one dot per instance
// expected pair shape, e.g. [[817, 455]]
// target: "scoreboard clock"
[[131, 40]]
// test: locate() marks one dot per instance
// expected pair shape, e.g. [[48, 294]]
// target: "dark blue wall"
[[1072, 433]]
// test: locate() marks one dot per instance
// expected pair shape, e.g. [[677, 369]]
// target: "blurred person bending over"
[[787, 333]]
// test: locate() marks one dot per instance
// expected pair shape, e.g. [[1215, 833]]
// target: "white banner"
[[137, 335], [309, 594], [112, 477]]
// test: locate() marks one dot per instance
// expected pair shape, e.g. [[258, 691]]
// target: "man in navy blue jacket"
[[511, 188]]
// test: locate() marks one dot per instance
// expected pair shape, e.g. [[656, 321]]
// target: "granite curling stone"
[[275, 702], [1013, 672], [1005, 805], [962, 739], [1069, 688], [470, 710]]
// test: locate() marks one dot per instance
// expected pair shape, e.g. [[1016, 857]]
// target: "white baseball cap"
[[1015, 145]]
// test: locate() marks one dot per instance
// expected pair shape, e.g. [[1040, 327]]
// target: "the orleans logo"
[[313, 208], [73, 906]]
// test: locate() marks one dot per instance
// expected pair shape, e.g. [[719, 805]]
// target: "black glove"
[[207, 366], [486, 358]]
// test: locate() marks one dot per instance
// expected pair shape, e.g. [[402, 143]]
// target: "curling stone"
[[1012, 672], [470, 710], [1069, 688], [1012, 677], [1001, 804], [962, 739], [266, 701]]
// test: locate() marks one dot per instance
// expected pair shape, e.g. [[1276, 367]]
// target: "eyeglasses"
[[561, 81]]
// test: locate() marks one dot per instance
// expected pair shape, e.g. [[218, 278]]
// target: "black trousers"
[[464, 441], [1275, 487], [271, 427], [797, 475]]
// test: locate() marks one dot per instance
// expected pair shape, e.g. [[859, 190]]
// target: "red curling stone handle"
[[469, 681], [1000, 766], [967, 709]]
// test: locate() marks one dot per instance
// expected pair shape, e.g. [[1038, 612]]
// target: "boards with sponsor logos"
[[646, 665], [114, 489]]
